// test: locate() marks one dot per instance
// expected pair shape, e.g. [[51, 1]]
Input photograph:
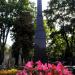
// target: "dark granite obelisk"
[[40, 36]]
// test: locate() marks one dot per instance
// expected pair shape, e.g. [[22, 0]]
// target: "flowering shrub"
[[8, 72], [44, 69]]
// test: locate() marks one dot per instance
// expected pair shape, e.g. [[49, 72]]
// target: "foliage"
[[59, 15], [10, 10], [6, 22], [22, 32]]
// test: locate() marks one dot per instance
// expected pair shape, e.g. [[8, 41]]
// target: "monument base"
[[40, 54]]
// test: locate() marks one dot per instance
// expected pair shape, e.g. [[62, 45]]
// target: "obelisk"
[[40, 36]]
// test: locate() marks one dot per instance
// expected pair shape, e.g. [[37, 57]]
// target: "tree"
[[22, 33], [6, 22], [59, 14], [9, 9]]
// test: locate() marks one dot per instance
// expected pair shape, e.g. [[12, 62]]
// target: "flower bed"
[[8, 72], [44, 69]]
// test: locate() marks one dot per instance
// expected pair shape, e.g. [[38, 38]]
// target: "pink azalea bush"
[[44, 69]]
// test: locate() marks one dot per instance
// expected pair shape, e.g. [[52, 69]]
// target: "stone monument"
[[40, 36]]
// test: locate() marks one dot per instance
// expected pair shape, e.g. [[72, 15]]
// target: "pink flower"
[[49, 65], [53, 67], [20, 73], [70, 73], [24, 72], [40, 73], [39, 65], [39, 62], [49, 73], [45, 67], [59, 67], [66, 71], [60, 72], [29, 64]]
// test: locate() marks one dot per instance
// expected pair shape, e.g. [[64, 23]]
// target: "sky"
[[44, 3], [44, 6]]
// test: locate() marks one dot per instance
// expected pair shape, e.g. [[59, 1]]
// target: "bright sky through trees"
[[44, 6], [44, 3]]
